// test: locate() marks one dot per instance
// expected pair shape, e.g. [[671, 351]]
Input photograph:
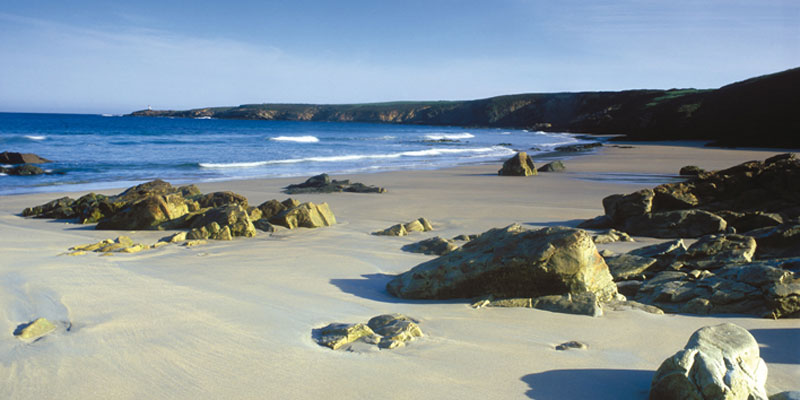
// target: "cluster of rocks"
[[521, 164], [387, 331], [417, 225], [557, 269], [21, 163], [749, 196], [157, 205], [323, 184]]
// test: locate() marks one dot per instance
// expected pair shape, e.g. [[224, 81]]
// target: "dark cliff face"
[[759, 112]]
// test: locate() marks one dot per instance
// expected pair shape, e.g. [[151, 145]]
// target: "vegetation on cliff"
[[762, 111]]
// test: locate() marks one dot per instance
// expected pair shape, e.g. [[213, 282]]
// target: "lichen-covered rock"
[[719, 362], [306, 215], [435, 245], [714, 251], [35, 329], [518, 165], [338, 335], [417, 225], [512, 262], [691, 170], [219, 199], [146, 213], [395, 330], [57, 209], [234, 217], [394, 230]]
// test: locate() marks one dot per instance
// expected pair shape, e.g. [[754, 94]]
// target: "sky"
[[101, 56]]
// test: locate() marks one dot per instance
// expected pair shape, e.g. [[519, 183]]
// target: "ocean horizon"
[[95, 152]]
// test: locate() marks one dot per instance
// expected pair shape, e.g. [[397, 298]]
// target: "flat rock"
[[512, 262], [628, 266], [435, 245], [714, 251], [582, 304], [395, 330], [719, 362], [777, 242], [35, 329], [338, 335], [675, 224], [573, 344]]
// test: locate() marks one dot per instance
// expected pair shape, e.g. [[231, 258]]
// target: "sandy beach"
[[234, 319]]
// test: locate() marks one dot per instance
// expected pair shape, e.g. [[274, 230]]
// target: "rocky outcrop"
[[745, 197], [512, 262], [418, 225], [323, 184], [518, 165], [35, 329], [554, 166], [387, 331], [21, 158], [305, 215], [719, 362], [121, 244], [435, 245]]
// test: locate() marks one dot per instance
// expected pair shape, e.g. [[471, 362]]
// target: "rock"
[[777, 242], [21, 158], [435, 245], [671, 249], [146, 213], [306, 215], [24, 170], [719, 362], [714, 251], [632, 305], [323, 184], [582, 304], [573, 344], [519, 302], [418, 225], [628, 266], [178, 237], [395, 329], [748, 221], [610, 236], [264, 225], [121, 244], [234, 217], [192, 243], [272, 208], [675, 224], [518, 165], [619, 208], [57, 209], [691, 170], [574, 148], [465, 238], [792, 395], [599, 222], [512, 262], [219, 199], [338, 335], [35, 329], [555, 166]]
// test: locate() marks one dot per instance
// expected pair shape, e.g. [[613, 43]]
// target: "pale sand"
[[234, 319]]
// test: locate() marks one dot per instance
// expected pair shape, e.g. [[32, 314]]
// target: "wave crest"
[[449, 136], [296, 139]]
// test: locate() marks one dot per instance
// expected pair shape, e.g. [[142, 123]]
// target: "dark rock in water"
[[777, 242], [555, 166], [691, 170], [23, 170], [518, 165], [435, 245], [573, 344], [719, 362], [21, 158], [323, 184], [575, 148], [512, 262], [680, 223]]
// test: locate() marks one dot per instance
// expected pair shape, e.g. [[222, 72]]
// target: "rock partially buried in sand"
[[518, 165], [121, 244], [573, 344], [387, 331], [611, 236], [512, 262], [555, 166], [323, 184], [35, 329], [435, 245], [719, 362], [417, 225]]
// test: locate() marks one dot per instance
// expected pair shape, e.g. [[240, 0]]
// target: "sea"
[[94, 152]]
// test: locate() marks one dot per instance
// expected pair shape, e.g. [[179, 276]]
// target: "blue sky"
[[114, 57]]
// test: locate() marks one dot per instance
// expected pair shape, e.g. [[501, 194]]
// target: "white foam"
[[3, 174], [494, 151], [296, 139], [36, 137], [450, 136]]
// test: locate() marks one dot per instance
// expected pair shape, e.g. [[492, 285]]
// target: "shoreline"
[[234, 319]]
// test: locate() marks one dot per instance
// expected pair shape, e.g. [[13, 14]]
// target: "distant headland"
[[759, 112]]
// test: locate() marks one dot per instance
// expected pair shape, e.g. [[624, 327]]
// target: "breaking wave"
[[295, 139]]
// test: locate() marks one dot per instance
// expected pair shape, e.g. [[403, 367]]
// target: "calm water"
[[94, 152]]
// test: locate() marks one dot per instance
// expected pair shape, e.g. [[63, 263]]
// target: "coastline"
[[234, 319]]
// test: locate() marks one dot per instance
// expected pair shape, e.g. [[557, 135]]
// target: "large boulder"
[[21, 158], [305, 215], [518, 165], [512, 262], [146, 213], [719, 362]]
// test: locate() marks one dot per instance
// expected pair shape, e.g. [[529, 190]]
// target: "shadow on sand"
[[596, 384], [780, 346], [373, 287]]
